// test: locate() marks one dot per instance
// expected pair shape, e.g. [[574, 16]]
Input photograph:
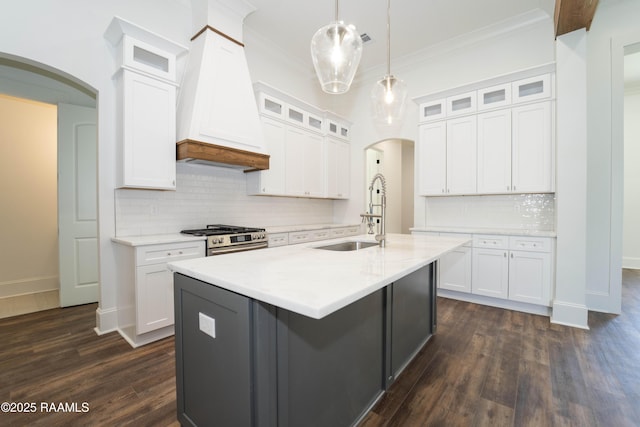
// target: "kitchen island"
[[299, 335]]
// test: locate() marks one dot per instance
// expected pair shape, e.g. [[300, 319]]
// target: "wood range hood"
[[207, 153], [217, 116]]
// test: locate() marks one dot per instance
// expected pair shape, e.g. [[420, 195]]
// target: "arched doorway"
[[39, 266]]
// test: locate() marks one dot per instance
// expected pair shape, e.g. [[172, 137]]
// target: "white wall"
[[614, 22], [29, 214], [631, 230]]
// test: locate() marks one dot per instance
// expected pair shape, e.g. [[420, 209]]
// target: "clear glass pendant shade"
[[336, 50], [388, 99]]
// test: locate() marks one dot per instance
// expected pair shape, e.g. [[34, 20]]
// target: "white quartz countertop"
[[156, 239], [481, 230], [315, 282]]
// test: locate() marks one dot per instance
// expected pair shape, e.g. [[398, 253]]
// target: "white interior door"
[[77, 205]]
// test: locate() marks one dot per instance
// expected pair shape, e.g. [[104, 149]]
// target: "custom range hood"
[[217, 116]]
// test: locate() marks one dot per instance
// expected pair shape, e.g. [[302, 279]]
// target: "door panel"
[[77, 205]]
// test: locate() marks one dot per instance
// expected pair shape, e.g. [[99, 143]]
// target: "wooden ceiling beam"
[[571, 15]]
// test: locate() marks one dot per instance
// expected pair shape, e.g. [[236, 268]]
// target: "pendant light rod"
[[388, 37], [337, 11]]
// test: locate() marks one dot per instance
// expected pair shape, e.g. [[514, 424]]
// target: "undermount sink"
[[348, 246]]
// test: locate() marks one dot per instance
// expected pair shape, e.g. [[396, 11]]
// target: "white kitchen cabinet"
[[154, 297], [278, 239], [455, 270], [447, 157], [494, 97], [530, 277], [308, 148], [148, 125], [296, 163], [498, 139], [304, 163], [515, 150], [461, 156], [270, 106], [304, 236], [433, 110], [145, 288], [494, 152], [336, 126], [345, 231], [146, 87], [530, 269], [518, 268], [463, 103], [532, 149], [432, 159], [455, 266], [531, 89], [490, 272], [271, 181], [337, 168]]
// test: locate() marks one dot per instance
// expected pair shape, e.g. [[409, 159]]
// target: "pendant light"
[[389, 93], [336, 49]]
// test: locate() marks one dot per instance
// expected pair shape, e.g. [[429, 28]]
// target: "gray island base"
[[244, 362]]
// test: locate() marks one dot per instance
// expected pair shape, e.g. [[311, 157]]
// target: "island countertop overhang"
[[315, 282]]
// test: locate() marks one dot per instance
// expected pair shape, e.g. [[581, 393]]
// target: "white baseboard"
[[496, 302], [29, 285], [570, 314], [106, 320], [631, 263]]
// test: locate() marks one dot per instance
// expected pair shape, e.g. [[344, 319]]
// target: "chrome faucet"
[[369, 216]]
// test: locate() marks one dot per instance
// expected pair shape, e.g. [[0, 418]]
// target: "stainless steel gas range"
[[223, 239]]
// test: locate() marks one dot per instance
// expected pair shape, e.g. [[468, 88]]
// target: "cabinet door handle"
[[511, 256], [505, 254]]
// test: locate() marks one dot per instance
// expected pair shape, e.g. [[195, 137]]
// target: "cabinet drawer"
[[155, 254], [278, 239], [533, 244], [490, 241], [321, 234], [338, 232], [300, 237]]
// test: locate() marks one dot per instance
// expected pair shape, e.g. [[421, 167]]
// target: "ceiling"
[[415, 24]]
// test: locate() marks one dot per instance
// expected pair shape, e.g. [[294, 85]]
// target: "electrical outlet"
[[207, 324]]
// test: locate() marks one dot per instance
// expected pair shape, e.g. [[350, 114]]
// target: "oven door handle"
[[239, 248]]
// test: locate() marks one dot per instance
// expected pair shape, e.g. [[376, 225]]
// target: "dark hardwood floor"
[[485, 367]]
